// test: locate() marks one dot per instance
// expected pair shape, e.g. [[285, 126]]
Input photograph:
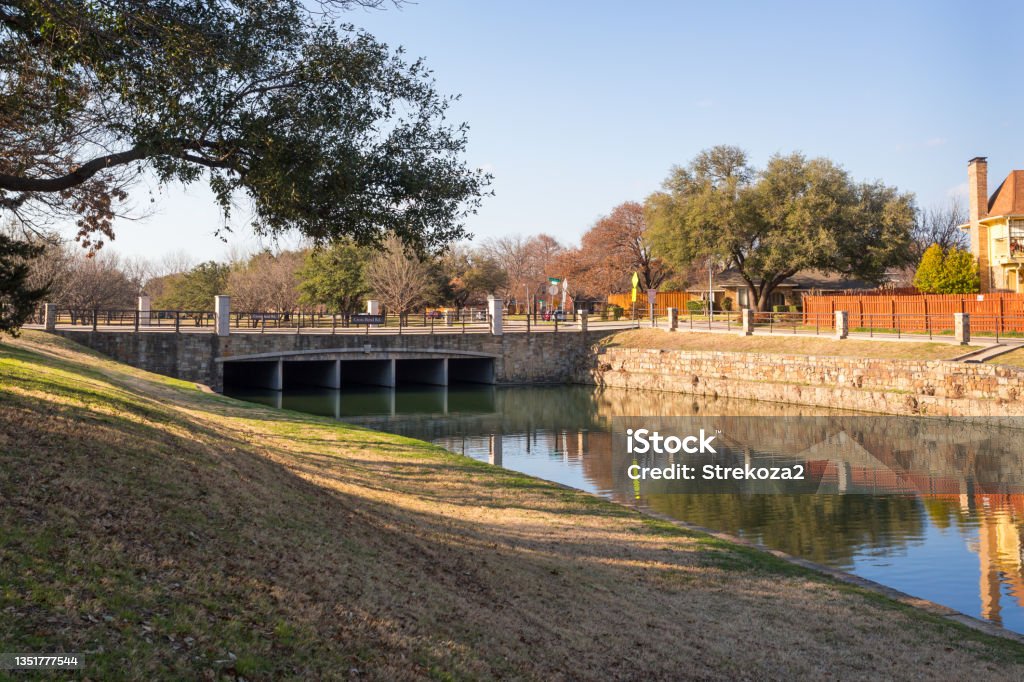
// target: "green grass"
[[167, 533]]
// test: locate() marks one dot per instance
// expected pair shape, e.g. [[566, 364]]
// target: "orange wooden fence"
[[665, 299], [995, 313]]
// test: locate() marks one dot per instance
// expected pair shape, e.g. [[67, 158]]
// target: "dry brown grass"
[[1015, 358], [791, 345], [180, 535]]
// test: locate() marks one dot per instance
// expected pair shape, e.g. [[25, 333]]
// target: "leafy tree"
[[928, 278], [954, 272], [471, 275], [795, 214], [959, 273], [335, 277], [18, 299], [195, 290], [318, 125]]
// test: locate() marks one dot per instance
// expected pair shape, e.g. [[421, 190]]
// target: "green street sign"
[[554, 280]]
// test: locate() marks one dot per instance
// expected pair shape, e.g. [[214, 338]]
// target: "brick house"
[[728, 284], [996, 227]]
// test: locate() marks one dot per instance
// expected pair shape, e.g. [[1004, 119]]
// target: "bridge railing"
[[461, 321]]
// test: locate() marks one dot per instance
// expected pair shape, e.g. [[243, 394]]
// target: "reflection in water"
[[933, 510]]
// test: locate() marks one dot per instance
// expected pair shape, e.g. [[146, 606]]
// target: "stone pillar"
[[747, 322], [583, 321], [494, 310], [673, 319], [842, 324], [50, 316], [448, 318], [373, 307], [962, 327], [144, 309], [222, 315]]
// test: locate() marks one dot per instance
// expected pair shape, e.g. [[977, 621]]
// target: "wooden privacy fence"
[[665, 299], [993, 313]]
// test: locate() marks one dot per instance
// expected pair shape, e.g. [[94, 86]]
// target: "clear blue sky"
[[578, 106]]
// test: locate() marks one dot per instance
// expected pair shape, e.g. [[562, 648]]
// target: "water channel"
[[935, 512]]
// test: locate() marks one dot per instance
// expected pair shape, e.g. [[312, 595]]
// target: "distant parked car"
[[558, 315]]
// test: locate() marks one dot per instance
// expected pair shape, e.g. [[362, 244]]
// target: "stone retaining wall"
[[519, 358], [933, 387]]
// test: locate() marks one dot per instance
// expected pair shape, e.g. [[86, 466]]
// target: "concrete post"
[[144, 309], [673, 319], [583, 321], [747, 322], [448, 321], [222, 315], [373, 307], [962, 327], [50, 316], [842, 324], [494, 311]]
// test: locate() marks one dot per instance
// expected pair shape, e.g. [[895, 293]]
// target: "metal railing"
[[470, 320]]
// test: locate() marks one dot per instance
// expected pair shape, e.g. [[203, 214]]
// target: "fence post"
[[583, 321], [50, 317], [222, 315], [137, 315], [95, 318], [962, 327], [747, 319], [842, 324], [495, 310], [673, 319], [177, 321]]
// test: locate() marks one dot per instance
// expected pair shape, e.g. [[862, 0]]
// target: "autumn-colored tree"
[[954, 272], [960, 273], [611, 251], [928, 277]]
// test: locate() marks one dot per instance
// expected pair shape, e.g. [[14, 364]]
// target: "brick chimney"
[[977, 187]]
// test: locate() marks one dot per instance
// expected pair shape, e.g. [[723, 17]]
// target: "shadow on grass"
[[173, 549]]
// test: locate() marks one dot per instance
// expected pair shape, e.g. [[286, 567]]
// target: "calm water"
[[935, 513]]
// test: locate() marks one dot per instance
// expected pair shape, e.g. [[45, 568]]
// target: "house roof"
[[805, 279], [1009, 197]]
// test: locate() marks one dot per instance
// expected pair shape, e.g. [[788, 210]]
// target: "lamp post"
[[711, 307]]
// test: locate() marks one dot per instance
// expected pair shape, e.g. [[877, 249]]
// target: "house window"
[[777, 298], [1017, 238], [742, 298]]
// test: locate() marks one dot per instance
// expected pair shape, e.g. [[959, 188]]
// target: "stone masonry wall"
[[519, 358], [934, 387]]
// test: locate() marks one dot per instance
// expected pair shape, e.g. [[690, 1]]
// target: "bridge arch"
[[337, 367]]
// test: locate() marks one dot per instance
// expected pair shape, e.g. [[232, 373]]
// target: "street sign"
[[553, 289], [554, 280], [364, 318], [652, 296], [635, 280]]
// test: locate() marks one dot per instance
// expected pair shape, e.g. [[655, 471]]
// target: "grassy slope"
[[178, 534], [1015, 358], [787, 344]]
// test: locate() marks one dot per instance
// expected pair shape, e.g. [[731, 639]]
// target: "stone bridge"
[[279, 361]]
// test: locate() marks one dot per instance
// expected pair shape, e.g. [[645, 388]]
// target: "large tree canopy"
[[795, 214], [321, 127]]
